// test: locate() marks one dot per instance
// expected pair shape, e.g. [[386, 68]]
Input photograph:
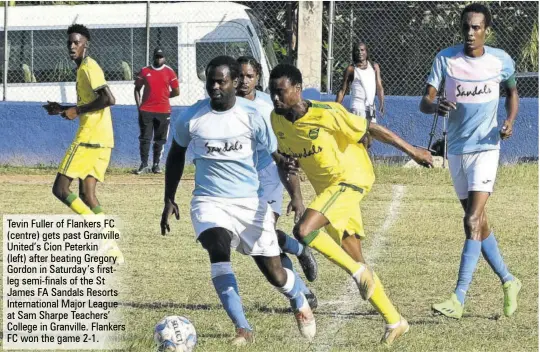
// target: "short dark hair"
[[250, 60], [79, 28], [230, 62], [478, 8], [287, 70]]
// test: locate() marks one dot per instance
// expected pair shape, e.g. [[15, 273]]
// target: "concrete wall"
[[28, 136]]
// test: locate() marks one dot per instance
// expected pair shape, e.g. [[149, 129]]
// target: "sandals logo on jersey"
[[227, 147], [307, 152], [313, 133]]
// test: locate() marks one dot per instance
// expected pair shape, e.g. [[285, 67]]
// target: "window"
[[42, 56], [206, 51]]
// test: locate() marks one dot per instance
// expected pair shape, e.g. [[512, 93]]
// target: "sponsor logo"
[[281, 135], [314, 133], [227, 147], [271, 201], [312, 151], [486, 182], [461, 92]]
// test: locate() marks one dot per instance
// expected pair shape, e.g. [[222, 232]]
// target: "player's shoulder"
[[198, 109], [450, 51], [90, 63], [247, 106], [498, 53], [263, 97], [320, 110], [169, 69]]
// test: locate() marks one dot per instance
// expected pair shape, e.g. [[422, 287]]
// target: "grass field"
[[415, 237]]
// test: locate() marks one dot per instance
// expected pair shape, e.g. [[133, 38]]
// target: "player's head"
[[250, 73], [360, 52], [285, 87], [221, 80], [475, 25], [158, 58], [78, 41]]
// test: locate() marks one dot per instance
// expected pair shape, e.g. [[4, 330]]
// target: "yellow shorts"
[[81, 161], [340, 204]]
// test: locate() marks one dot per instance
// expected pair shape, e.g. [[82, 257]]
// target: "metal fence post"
[[289, 31], [5, 49], [148, 33], [330, 65]]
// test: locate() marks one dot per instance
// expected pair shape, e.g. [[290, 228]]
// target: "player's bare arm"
[[137, 91], [291, 182], [174, 168], [428, 105], [347, 79], [105, 99], [382, 134], [174, 92], [379, 86], [512, 106]]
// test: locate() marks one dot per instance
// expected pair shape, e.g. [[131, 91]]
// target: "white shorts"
[[364, 114], [272, 188], [473, 171], [250, 220]]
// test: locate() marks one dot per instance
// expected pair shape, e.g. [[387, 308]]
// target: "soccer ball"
[[175, 334]]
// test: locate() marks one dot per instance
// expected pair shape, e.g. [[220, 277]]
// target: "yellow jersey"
[[95, 127], [326, 142]]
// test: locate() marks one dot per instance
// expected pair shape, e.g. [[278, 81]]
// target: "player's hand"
[[291, 165], [70, 113], [445, 107], [423, 157], [506, 130], [381, 111], [169, 208], [53, 108], [296, 205]]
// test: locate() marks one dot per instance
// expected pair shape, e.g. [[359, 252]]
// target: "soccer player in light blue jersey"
[[271, 186], [226, 209], [472, 73]]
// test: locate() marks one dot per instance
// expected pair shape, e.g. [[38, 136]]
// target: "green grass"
[[417, 257]]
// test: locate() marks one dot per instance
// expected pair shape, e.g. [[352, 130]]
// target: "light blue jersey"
[[265, 107], [224, 147], [473, 84]]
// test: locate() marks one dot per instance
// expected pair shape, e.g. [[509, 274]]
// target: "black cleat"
[[308, 263], [312, 300], [156, 169], [143, 169]]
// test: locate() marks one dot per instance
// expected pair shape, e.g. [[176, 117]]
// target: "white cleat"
[[306, 321]]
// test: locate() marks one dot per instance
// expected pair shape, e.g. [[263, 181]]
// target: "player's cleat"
[[306, 321], [391, 334], [451, 308], [365, 282], [511, 289], [243, 337], [156, 169], [312, 300], [143, 169], [308, 263]]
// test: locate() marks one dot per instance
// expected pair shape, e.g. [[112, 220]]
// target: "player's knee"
[[300, 231], [281, 237], [60, 192], [277, 276], [217, 244], [472, 223]]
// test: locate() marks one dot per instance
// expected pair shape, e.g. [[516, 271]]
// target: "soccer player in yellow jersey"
[[88, 156], [327, 142]]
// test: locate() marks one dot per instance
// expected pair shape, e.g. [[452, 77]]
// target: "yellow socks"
[[77, 205], [382, 303], [324, 244]]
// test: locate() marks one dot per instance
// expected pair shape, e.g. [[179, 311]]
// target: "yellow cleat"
[[451, 308]]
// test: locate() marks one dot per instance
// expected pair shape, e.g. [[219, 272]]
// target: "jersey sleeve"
[[264, 133], [436, 74], [173, 80], [350, 126], [95, 76], [181, 128], [139, 80], [508, 67]]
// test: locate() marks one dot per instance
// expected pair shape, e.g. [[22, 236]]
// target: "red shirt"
[[156, 83]]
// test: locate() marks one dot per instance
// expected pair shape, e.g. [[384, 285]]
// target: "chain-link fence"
[[190, 34], [404, 37]]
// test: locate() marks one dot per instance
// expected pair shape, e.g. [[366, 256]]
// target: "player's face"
[[247, 80], [76, 45], [360, 53], [284, 95], [473, 30], [220, 87], [159, 61]]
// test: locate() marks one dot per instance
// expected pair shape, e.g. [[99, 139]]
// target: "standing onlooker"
[[155, 110], [364, 79]]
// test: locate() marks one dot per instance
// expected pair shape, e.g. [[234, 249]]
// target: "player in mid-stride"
[[472, 73], [327, 141], [226, 210], [88, 156]]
